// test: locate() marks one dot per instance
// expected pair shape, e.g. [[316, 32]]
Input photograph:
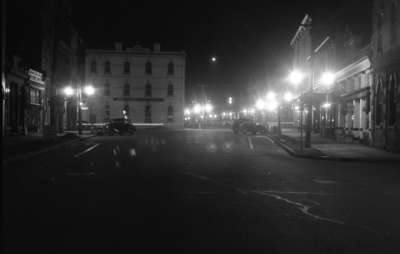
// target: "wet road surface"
[[197, 191]]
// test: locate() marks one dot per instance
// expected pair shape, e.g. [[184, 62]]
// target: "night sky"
[[250, 39]]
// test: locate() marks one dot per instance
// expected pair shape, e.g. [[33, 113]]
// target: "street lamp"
[[296, 77], [208, 108], [327, 78], [197, 109], [288, 96], [187, 112], [68, 91], [327, 105], [271, 96], [260, 104], [89, 90]]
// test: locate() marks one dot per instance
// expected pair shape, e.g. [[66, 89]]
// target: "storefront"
[[353, 91], [35, 107], [24, 106]]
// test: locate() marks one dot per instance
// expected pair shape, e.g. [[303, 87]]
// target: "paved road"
[[197, 191]]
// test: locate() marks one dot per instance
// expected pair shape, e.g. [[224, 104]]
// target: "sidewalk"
[[329, 149], [18, 147]]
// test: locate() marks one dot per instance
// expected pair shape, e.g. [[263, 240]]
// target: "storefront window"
[[379, 104], [35, 96], [392, 101]]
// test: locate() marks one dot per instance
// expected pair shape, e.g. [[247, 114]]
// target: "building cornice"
[[360, 65]]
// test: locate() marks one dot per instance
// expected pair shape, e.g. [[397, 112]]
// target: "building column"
[[363, 120], [357, 114]]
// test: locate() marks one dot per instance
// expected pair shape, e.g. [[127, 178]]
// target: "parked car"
[[119, 126], [248, 126], [86, 126], [253, 128]]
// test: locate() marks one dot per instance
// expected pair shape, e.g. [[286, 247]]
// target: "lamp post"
[[287, 98], [296, 77], [70, 91]]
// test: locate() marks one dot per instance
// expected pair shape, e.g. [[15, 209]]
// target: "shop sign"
[[35, 76]]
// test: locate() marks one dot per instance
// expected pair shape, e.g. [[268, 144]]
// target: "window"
[[379, 28], [126, 89], [147, 114], [107, 67], [93, 67], [127, 67], [170, 114], [106, 89], [149, 68], [106, 112], [170, 90], [148, 92], [393, 23], [92, 117], [35, 96], [171, 68]]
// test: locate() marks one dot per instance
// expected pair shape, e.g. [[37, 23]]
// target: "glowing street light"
[[208, 108], [230, 100], [288, 96], [271, 106], [213, 59], [260, 104], [197, 109], [296, 77], [271, 96], [327, 105], [89, 90], [327, 78], [69, 91]]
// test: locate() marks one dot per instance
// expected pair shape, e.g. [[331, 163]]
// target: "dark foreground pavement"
[[197, 192]]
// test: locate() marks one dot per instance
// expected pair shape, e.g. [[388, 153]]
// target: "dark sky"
[[250, 38]]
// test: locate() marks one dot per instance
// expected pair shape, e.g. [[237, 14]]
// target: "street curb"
[[44, 150], [293, 153]]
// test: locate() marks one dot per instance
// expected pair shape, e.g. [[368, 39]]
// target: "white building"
[[149, 86], [353, 89]]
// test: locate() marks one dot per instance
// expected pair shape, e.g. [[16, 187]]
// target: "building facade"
[[314, 54], [147, 86], [361, 105], [385, 46], [24, 101], [352, 110], [43, 55]]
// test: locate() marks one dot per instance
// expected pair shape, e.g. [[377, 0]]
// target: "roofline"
[[132, 52], [361, 64]]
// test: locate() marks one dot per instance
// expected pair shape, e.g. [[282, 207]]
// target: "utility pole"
[[309, 123]]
